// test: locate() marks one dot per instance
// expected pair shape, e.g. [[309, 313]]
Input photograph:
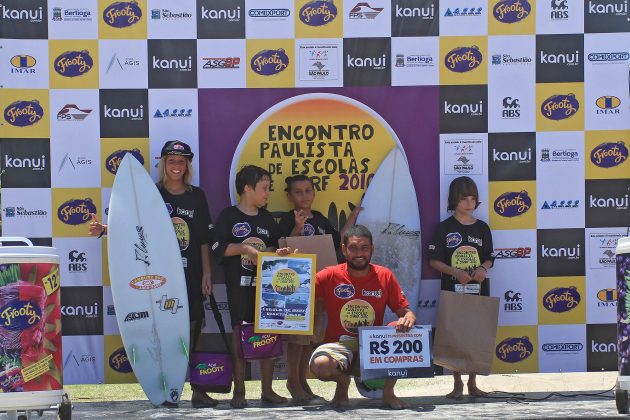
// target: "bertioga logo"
[[514, 349], [559, 107], [512, 204], [511, 11], [318, 12], [76, 211], [119, 361], [463, 59], [23, 113], [112, 163], [19, 315], [122, 14], [561, 299], [73, 63], [608, 155], [269, 62]]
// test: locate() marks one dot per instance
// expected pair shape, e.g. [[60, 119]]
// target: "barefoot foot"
[[473, 391], [271, 397], [238, 401]]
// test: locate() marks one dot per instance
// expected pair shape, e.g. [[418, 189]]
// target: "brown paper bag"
[[465, 332], [321, 245]]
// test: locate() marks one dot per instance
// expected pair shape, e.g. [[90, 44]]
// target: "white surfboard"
[[390, 211], [148, 283]]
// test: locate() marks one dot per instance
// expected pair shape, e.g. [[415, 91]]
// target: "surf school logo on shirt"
[[113, 161], [20, 315], [344, 291], [240, 230], [512, 204], [76, 212], [607, 155], [463, 59], [559, 107], [309, 230], [23, 113], [147, 282], [73, 63], [122, 14], [269, 62], [511, 11], [514, 349], [453, 239], [318, 12], [119, 361], [561, 299]]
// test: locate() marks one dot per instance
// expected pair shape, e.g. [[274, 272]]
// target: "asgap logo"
[[511, 108], [520, 252], [221, 62], [77, 262], [513, 301]]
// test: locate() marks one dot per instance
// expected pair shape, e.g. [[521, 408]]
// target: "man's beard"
[[358, 267]]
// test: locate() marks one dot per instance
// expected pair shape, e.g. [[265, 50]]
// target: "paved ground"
[[577, 399]]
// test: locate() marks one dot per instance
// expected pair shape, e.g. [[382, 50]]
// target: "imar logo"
[[77, 261]]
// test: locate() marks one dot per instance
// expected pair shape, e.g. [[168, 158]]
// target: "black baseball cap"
[[176, 147]]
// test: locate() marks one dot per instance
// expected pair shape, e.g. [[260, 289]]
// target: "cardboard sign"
[[320, 245]]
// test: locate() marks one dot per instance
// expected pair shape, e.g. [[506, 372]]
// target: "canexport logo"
[[511, 11], [514, 349], [453, 239], [23, 113], [147, 282], [23, 64], [240, 230], [561, 299], [19, 315], [559, 107], [602, 57], [122, 14], [76, 211], [73, 63], [119, 362], [512, 204], [318, 12], [608, 155], [562, 347], [608, 105], [269, 13], [344, 291], [463, 59], [269, 62], [113, 161]]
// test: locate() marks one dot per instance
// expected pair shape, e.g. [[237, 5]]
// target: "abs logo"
[[559, 107], [513, 301], [76, 211], [23, 113], [23, 64], [122, 14], [561, 299], [609, 155], [269, 62], [511, 108], [134, 316], [514, 349], [73, 63], [559, 10], [112, 162], [453, 239], [119, 361], [608, 105], [77, 261], [463, 59], [512, 204], [511, 11], [318, 12], [167, 304], [344, 291], [241, 230]]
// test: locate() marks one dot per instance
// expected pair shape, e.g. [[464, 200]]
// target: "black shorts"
[[448, 284], [242, 302]]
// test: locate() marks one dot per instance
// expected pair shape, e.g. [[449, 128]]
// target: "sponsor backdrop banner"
[[530, 99]]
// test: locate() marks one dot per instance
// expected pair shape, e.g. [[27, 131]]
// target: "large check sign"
[[384, 353]]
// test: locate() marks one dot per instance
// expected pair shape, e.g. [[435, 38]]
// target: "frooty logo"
[[608, 155], [76, 211], [472, 109], [453, 239], [344, 291], [29, 15], [463, 59], [74, 63], [560, 107], [511, 11], [36, 164], [240, 230], [122, 14], [571, 253], [318, 12], [421, 12], [269, 62], [133, 114], [119, 362], [173, 64], [231, 15], [376, 63], [572, 59], [19, 315], [23, 113], [112, 162], [512, 204], [618, 8], [514, 349], [561, 299], [524, 156]]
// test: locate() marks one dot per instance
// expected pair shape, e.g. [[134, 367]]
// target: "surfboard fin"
[[163, 377], [184, 347], [133, 355]]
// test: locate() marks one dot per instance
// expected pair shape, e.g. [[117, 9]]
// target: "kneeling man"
[[354, 294]]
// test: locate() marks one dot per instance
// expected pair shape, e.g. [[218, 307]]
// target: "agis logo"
[[19, 315], [73, 63], [514, 349], [23, 64], [119, 362], [76, 211], [23, 113], [608, 155], [344, 291], [269, 62], [511, 11], [318, 12], [463, 59], [607, 297], [122, 14], [512, 204], [240, 230], [561, 299], [113, 161], [608, 105], [559, 107]]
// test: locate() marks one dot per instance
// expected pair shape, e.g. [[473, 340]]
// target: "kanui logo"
[[559, 58], [123, 113], [172, 63], [81, 312], [601, 347], [606, 16], [77, 261], [415, 18], [220, 19], [559, 10], [24, 19], [607, 202], [560, 252], [367, 61], [25, 167], [463, 109], [511, 156]]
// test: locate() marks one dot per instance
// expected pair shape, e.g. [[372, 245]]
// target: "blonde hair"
[[187, 176]]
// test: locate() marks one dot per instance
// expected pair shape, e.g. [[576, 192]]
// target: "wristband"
[[484, 268], [102, 233]]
